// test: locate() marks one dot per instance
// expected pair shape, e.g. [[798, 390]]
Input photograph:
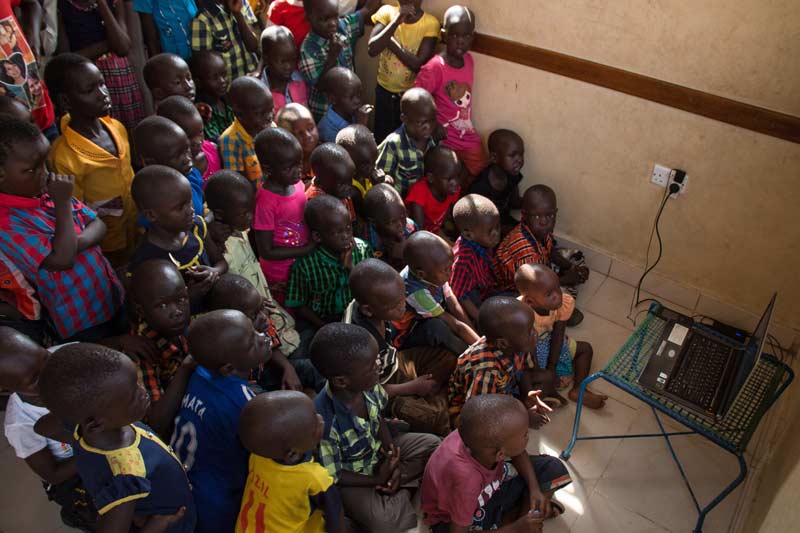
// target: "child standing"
[[292, 15], [387, 226], [318, 289], [500, 181], [450, 78], [371, 468], [166, 25], [227, 27], [94, 148], [330, 43], [206, 438], [558, 354], [472, 279], [481, 477], [297, 120], [98, 31], [53, 239], [402, 154], [21, 362], [168, 75], [128, 471], [433, 315], [281, 232], [279, 72], [405, 37], [343, 89], [333, 175], [430, 201], [252, 106], [205, 155], [282, 430], [211, 75]]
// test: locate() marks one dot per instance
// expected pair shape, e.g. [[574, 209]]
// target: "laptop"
[[699, 370]]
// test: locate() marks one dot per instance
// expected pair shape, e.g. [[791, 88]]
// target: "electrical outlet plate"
[[660, 175], [681, 185]]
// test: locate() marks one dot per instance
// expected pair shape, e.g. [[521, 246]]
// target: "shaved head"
[[473, 211], [535, 278], [485, 419]]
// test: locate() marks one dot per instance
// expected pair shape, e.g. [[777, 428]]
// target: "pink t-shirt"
[[455, 485], [435, 211], [452, 91], [282, 215], [212, 156]]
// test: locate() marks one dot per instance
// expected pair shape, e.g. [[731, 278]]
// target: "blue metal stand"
[[732, 433]]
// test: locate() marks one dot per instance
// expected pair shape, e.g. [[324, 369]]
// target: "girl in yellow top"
[[94, 148], [405, 37]]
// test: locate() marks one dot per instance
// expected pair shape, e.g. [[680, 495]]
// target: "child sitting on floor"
[[168, 75], [450, 78], [433, 315], [160, 141], [430, 201], [402, 154], [94, 148], [370, 467], [405, 37], [279, 67], [500, 181], [503, 361], [415, 379], [251, 102], [360, 145], [281, 232], [344, 93], [205, 154], [21, 362], [53, 239], [130, 474], [531, 241], [387, 226], [558, 354], [472, 279], [481, 478], [164, 198], [211, 75], [206, 439], [330, 43], [282, 430], [160, 303], [333, 175], [297, 120], [318, 289]]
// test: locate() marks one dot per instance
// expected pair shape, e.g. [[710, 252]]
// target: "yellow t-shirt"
[[277, 495], [393, 75], [102, 180]]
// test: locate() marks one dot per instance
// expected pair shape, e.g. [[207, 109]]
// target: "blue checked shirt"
[[173, 18], [400, 158], [312, 59], [215, 28], [350, 442]]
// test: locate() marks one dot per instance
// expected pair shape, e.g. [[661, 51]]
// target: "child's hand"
[[290, 380], [60, 187], [234, 6], [162, 522], [537, 410], [539, 503], [338, 42], [386, 471], [200, 279], [423, 385], [362, 114], [347, 255], [527, 523], [379, 176], [407, 11]]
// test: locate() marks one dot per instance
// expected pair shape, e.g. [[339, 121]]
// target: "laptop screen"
[[751, 354]]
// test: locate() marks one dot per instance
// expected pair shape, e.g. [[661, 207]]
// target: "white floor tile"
[[603, 514]]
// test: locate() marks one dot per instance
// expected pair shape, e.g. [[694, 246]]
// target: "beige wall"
[[735, 234]]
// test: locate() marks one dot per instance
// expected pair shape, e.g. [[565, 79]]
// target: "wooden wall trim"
[[709, 105]]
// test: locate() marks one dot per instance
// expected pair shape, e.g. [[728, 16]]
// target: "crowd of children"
[[248, 312]]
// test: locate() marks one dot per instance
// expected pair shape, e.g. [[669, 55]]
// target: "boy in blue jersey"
[[206, 438]]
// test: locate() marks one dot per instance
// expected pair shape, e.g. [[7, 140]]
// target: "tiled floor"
[[619, 486]]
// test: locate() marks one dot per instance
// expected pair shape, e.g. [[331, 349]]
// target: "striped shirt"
[[157, 374], [519, 248], [400, 158], [472, 269], [319, 280], [238, 151], [483, 369], [216, 29], [375, 242], [314, 51]]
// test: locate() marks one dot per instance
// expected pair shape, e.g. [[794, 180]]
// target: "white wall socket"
[[660, 175]]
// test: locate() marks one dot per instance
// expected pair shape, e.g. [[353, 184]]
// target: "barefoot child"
[[482, 479], [168, 75], [206, 438], [343, 89], [500, 181], [430, 201], [370, 467], [297, 120], [387, 225], [205, 154], [95, 390], [282, 430], [211, 75], [557, 353], [279, 67]]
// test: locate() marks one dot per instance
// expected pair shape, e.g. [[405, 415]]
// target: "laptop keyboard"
[[700, 371]]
